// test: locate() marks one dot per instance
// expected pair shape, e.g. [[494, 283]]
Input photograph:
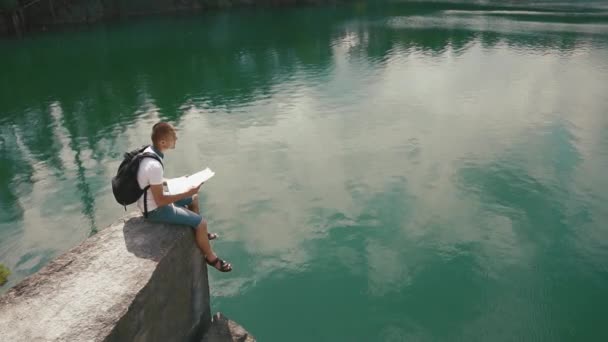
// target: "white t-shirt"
[[150, 173]]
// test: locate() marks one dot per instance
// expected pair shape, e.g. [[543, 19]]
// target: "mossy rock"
[[4, 273]]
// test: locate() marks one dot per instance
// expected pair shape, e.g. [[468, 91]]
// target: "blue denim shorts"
[[176, 213]]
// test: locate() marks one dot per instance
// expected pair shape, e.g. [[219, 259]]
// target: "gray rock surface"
[[133, 281], [225, 330]]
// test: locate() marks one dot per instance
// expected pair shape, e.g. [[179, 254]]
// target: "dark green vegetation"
[[19, 16], [4, 273]]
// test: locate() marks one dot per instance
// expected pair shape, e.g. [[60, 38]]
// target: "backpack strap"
[[153, 156], [146, 200]]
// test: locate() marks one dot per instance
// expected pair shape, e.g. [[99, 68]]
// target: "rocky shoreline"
[[18, 17], [132, 281]]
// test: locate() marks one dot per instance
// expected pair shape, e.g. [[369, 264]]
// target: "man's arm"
[[161, 199]]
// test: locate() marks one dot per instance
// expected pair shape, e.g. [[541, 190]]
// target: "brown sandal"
[[220, 265]]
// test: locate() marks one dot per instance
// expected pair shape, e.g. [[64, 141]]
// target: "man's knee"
[[194, 203], [202, 226]]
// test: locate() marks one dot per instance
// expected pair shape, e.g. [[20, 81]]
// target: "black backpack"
[[124, 185]]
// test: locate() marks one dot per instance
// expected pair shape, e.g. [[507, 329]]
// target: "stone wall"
[[133, 281]]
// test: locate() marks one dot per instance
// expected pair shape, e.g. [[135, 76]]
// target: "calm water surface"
[[412, 172]]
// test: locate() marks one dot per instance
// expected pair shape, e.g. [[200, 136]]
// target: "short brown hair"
[[161, 130]]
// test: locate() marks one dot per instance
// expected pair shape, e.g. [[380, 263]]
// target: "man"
[[178, 209]]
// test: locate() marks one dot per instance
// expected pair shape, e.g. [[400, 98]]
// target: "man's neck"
[[159, 151]]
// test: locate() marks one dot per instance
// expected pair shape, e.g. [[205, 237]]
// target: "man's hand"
[[193, 190], [162, 199]]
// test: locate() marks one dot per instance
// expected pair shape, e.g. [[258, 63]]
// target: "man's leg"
[[180, 215], [202, 241], [194, 206]]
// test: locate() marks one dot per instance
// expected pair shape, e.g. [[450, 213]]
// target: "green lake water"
[[406, 172]]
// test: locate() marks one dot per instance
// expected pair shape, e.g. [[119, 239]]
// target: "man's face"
[[169, 141], [172, 140]]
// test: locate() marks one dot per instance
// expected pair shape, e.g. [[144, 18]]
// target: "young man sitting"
[[178, 209]]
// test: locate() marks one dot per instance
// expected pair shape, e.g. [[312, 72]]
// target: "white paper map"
[[183, 184]]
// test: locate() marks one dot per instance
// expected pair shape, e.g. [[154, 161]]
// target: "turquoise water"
[[404, 172]]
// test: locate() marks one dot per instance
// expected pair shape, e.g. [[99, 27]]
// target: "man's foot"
[[220, 265], [212, 236]]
